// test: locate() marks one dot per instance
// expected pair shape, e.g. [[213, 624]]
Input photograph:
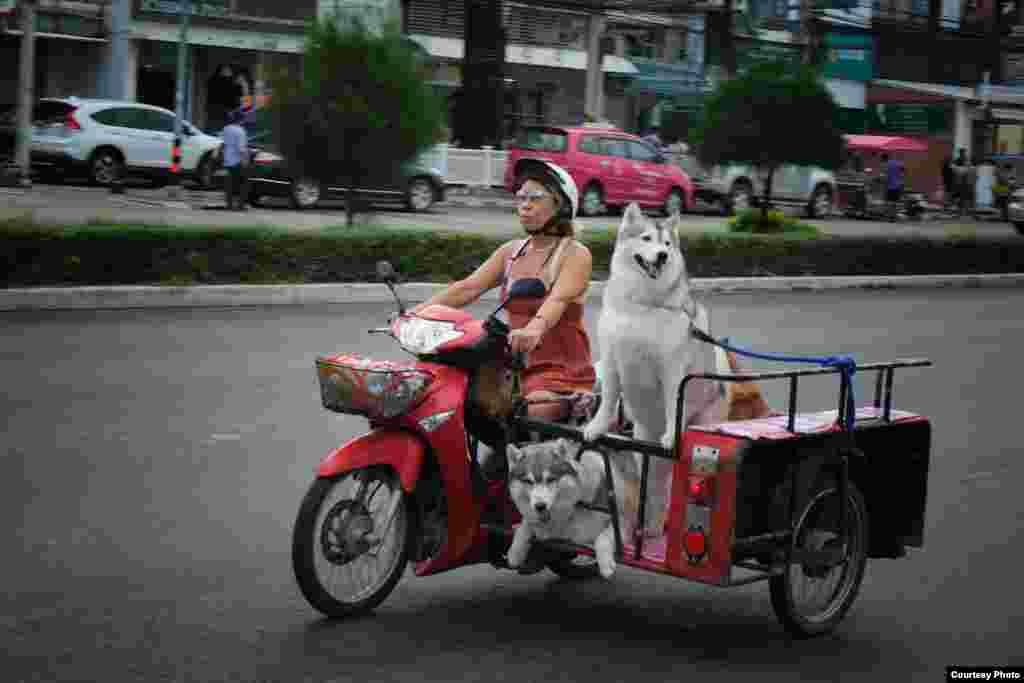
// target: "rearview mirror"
[[527, 288], [385, 271]]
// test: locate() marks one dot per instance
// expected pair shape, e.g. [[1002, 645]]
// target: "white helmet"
[[555, 178]]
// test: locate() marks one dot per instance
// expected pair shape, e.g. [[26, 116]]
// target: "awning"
[[884, 143], [662, 78]]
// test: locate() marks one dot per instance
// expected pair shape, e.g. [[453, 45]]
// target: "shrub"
[[753, 221]]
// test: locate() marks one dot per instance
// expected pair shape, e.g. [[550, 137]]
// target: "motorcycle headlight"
[[420, 336]]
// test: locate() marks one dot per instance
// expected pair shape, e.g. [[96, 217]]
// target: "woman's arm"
[[466, 291], [573, 280]]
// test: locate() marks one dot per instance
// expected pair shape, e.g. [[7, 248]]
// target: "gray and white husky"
[[643, 334], [546, 481]]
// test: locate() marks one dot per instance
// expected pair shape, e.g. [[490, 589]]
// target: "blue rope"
[[846, 364]]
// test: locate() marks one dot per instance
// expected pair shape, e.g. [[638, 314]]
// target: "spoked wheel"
[[825, 567], [578, 567], [351, 541]]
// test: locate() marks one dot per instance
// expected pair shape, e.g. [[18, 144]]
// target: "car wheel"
[[1019, 227], [204, 174], [674, 203], [420, 195], [592, 203], [820, 205], [305, 193], [739, 197], [105, 167], [255, 199]]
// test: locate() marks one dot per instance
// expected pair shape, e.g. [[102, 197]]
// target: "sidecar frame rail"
[[882, 400]]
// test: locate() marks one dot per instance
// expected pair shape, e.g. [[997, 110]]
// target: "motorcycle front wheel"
[[351, 541]]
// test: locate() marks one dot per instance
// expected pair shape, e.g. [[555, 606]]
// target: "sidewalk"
[[128, 297]]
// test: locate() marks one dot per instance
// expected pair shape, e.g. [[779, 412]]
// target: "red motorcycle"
[[412, 488]]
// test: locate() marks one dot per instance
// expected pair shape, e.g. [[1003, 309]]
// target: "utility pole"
[[184, 12], [26, 91]]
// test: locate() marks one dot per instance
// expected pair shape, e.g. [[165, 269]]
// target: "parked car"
[[108, 139], [611, 167], [732, 187], [413, 184]]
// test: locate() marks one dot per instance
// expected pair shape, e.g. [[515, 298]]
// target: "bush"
[[754, 221], [48, 255]]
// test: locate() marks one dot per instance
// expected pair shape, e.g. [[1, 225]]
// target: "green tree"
[[361, 107], [774, 115]]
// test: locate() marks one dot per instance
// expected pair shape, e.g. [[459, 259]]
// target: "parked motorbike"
[[412, 488]]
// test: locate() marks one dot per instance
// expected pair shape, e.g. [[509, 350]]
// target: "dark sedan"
[[413, 184]]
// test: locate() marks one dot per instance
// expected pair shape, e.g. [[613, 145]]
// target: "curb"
[[126, 297]]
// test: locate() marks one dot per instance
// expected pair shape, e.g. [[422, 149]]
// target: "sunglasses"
[[531, 197]]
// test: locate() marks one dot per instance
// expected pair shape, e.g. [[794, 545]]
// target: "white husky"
[[643, 333], [546, 482]]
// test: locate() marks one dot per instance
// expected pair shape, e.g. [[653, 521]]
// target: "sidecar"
[[801, 500]]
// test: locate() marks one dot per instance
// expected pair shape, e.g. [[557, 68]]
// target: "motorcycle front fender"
[[401, 450]]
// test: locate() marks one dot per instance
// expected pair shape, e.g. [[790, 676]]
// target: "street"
[[492, 214], [154, 461]]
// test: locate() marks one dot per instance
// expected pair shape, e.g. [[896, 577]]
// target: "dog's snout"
[[662, 257], [540, 506]]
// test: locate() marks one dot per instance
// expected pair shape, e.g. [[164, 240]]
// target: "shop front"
[[225, 67]]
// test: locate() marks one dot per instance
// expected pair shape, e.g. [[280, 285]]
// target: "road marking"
[[225, 437]]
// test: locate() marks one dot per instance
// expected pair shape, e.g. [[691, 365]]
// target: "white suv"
[[108, 139], [733, 187]]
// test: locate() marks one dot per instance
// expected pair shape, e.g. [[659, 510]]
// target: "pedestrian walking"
[[962, 180], [236, 162], [895, 178], [948, 182], [1003, 187]]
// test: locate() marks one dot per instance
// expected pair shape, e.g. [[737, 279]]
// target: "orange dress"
[[561, 363]]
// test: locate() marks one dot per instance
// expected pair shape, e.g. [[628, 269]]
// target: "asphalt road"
[[78, 203], [154, 460]]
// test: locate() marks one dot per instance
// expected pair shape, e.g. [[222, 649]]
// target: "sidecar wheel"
[[351, 541], [818, 531]]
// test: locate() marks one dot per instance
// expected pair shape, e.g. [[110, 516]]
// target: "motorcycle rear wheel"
[[351, 541]]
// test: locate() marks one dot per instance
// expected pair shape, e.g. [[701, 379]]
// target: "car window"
[[589, 144], [638, 151], [542, 140], [122, 117], [614, 147], [156, 120]]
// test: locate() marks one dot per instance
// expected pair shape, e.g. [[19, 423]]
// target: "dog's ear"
[[632, 220], [567, 449], [514, 454], [673, 225]]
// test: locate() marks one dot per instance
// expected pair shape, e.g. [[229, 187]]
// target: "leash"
[[846, 364]]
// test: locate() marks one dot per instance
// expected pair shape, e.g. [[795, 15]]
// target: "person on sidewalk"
[[236, 161], [948, 182], [961, 174], [895, 178]]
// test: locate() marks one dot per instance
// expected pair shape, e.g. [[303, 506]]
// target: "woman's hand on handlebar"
[[524, 340]]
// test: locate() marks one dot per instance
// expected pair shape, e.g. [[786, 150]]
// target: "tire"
[[592, 201], [420, 194], [254, 199], [334, 508], [815, 529], [204, 172], [820, 205], [106, 165], [575, 567], [1019, 227], [739, 197], [304, 194], [674, 203]]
